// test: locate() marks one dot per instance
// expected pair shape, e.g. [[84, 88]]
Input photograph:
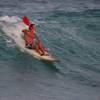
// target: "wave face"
[[70, 28]]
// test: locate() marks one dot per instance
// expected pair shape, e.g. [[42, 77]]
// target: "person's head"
[[31, 26]]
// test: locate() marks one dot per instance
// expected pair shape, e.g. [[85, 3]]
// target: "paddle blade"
[[26, 20]]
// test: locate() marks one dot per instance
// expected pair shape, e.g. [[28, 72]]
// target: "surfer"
[[32, 41]]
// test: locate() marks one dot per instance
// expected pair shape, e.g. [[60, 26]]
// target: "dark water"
[[71, 29]]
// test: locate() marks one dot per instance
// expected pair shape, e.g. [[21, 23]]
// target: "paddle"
[[26, 20]]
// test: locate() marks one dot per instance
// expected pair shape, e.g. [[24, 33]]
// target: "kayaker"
[[32, 41]]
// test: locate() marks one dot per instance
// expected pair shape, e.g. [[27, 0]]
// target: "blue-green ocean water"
[[71, 29]]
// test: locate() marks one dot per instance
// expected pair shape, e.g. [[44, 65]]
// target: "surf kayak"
[[21, 43]]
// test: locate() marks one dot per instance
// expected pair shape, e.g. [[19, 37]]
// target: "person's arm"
[[35, 29], [24, 30]]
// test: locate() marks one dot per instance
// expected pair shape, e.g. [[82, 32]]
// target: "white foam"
[[12, 27], [11, 19]]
